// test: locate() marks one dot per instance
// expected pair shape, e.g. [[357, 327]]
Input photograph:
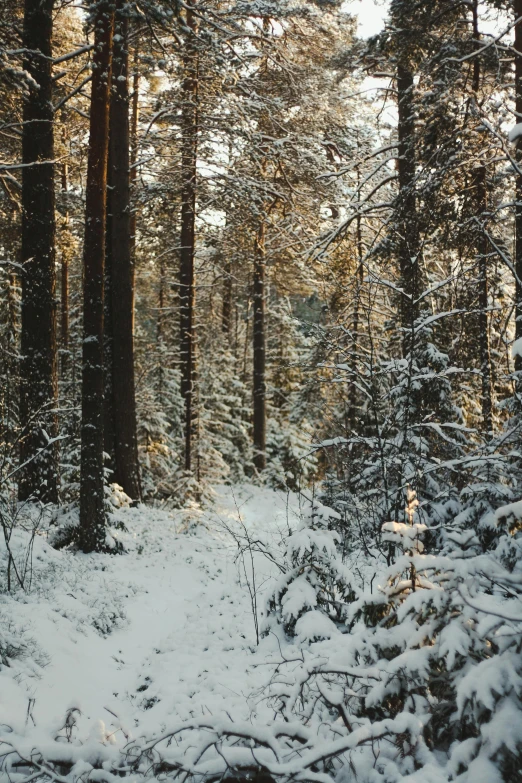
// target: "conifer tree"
[[92, 532], [517, 11], [38, 391], [120, 296], [187, 290]]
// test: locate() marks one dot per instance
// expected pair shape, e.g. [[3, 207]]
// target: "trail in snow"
[[183, 642]]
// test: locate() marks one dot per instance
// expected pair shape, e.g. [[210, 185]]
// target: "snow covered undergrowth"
[[126, 644], [147, 665]]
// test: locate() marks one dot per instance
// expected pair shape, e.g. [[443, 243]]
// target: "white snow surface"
[[515, 133], [516, 348], [153, 656], [162, 633]]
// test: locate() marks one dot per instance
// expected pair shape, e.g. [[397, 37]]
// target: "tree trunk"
[[354, 360], [120, 294], [187, 296], [483, 303], [133, 168], [92, 532], [517, 5], [108, 338], [409, 240], [259, 304], [64, 281], [160, 332], [482, 249], [9, 368], [38, 388], [359, 282], [259, 346], [226, 312]]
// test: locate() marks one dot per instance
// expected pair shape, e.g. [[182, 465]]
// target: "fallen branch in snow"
[[218, 749]]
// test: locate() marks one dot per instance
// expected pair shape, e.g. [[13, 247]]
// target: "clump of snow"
[[117, 498], [516, 348], [407, 536], [313, 627], [515, 133]]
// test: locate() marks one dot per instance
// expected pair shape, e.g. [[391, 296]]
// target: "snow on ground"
[[164, 631]]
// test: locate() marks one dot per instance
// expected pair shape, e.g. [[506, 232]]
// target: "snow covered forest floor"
[[152, 664], [124, 645]]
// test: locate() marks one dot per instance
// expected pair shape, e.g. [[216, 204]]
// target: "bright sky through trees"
[[370, 15]]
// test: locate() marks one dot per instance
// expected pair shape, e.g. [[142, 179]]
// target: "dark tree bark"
[[259, 349], [133, 169], [160, 330], [482, 250], [38, 388], [187, 293], [64, 277], [92, 531], [9, 368], [354, 361], [121, 437], [480, 187], [408, 247], [359, 278], [226, 300], [517, 7], [259, 305], [408, 226], [108, 395], [226, 311]]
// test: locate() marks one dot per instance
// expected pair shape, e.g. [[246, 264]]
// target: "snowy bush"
[[309, 599], [436, 651], [291, 461]]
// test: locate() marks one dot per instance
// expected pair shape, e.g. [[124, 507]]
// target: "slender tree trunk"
[[517, 7], [226, 312], [226, 306], [408, 251], [246, 344], [108, 338], [236, 331], [120, 295], [187, 294], [92, 532], [482, 248], [354, 362], [409, 240], [359, 274], [64, 277], [259, 308], [38, 389], [160, 332], [64, 296], [9, 368], [133, 168], [259, 346], [483, 301]]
